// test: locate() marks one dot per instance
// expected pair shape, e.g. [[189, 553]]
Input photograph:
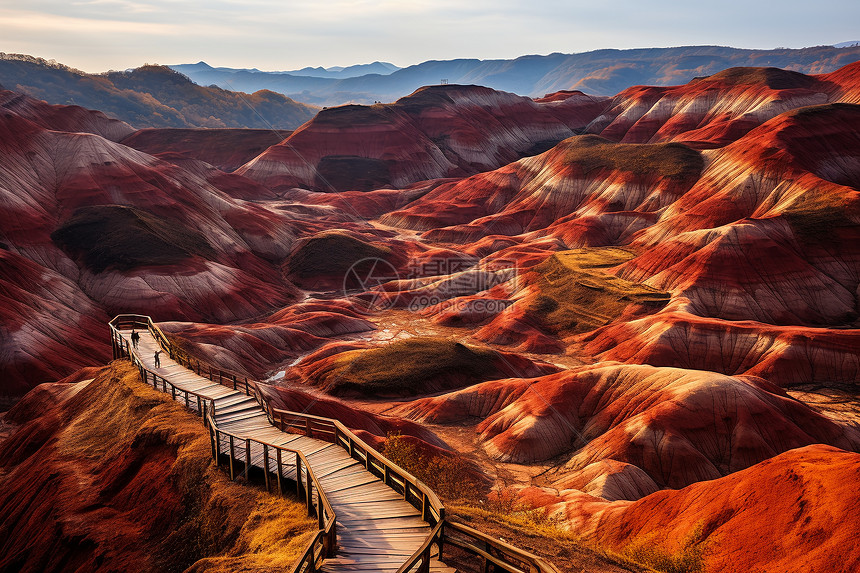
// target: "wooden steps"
[[377, 530]]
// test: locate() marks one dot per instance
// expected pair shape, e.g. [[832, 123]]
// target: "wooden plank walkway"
[[377, 530]]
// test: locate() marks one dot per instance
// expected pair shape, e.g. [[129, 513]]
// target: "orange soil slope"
[[794, 513]]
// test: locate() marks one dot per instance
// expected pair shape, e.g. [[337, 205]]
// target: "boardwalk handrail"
[[413, 490], [201, 368], [122, 349], [495, 553], [324, 543]]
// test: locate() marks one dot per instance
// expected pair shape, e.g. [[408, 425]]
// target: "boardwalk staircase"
[[372, 515]]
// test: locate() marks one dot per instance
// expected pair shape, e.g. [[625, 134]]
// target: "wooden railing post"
[[280, 473], [298, 475], [308, 492], [212, 444], [247, 459], [232, 455], [266, 466]]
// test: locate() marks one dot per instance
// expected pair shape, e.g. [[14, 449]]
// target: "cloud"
[[284, 34], [42, 23]]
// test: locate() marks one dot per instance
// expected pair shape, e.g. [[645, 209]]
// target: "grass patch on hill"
[[351, 115], [351, 173], [688, 558], [125, 238], [666, 160], [449, 476], [575, 294], [333, 254], [774, 78], [506, 515], [418, 365]]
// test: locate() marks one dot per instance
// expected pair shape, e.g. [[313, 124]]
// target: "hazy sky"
[[96, 35]]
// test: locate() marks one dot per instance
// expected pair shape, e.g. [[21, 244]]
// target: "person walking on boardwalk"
[[157, 359], [135, 338]]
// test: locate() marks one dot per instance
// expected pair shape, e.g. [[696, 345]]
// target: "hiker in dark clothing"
[[135, 338], [157, 359]]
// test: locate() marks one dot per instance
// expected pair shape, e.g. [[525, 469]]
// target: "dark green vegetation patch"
[[124, 238], [774, 78], [409, 367], [669, 160], [351, 173], [331, 253]]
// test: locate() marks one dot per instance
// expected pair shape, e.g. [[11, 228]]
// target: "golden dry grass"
[[132, 470], [536, 530], [574, 294], [450, 476], [668, 160], [688, 558]]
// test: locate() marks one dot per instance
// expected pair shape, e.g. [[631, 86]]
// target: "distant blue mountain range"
[[601, 72]]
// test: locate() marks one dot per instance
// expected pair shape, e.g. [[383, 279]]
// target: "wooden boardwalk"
[[377, 530]]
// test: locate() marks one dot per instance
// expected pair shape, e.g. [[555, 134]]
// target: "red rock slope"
[[64, 117], [226, 149], [98, 228], [661, 427], [795, 513], [438, 131], [713, 111]]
